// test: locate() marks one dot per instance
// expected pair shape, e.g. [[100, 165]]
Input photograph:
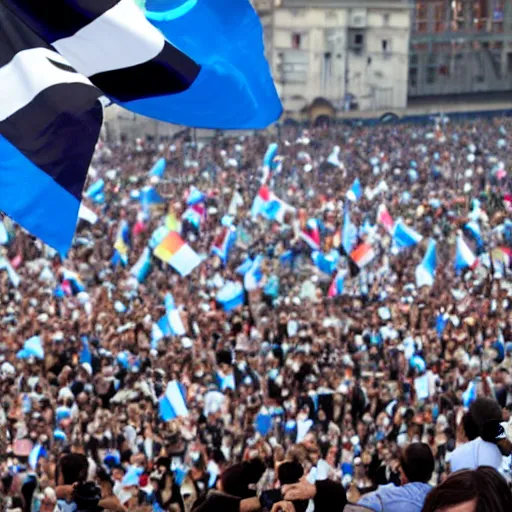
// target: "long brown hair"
[[484, 485]]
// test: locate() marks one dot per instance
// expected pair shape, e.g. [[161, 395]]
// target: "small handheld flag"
[[425, 271], [404, 236], [355, 192], [464, 258]]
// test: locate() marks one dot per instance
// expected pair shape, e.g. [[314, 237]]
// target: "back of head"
[[73, 468], [237, 480], [483, 410], [418, 463], [483, 486]]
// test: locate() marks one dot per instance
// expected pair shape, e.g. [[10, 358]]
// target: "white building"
[[332, 54]]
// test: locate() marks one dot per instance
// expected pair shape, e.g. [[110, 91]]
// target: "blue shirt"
[[389, 498]]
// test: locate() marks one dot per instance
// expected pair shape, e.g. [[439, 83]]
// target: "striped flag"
[[36, 453], [33, 347], [349, 234], [58, 58], [464, 257], [224, 243], [142, 268], [254, 275], [338, 284], [425, 271], [122, 244], [362, 255], [404, 236], [13, 276], [173, 404], [355, 192], [384, 218], [178, 254], [231, 296]]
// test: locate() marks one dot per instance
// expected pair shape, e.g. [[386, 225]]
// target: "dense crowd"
[[349, 376]]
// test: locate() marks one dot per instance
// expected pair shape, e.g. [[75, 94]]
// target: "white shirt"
[[474, 454]]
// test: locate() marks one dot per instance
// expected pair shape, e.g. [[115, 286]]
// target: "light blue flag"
[[36, 453], [173, 404], [355, 192], [234, 88], [271, 153], [349, 235], [85, 354], [404, 236], [231, 296], [425, 271], [158, 168], [33, 347]]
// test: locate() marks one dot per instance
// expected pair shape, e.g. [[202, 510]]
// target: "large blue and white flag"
[[349, 234], [231, 296], [464, 257], [58, 59], [425, 271], [355, 192], [404, 236], [173, 404]]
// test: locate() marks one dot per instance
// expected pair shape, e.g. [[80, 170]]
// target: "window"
[[358, 39], [326, 69], [386, 46], [385, 19], [413, 77], [431, 75], [296, 40]]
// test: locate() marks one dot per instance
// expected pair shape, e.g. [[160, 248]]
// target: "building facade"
[[460, 47], [338, 54]]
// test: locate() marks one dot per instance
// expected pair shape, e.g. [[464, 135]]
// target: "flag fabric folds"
[[425, 271], [464, 257], [404, 236], [363, 255], [269, 206], [36, 453], [338, 284], [178, 254], [173, 404], [58, 59], [142, 268], [158, 168], [231, 296], [176, 327], [122, 244], [254, 276], [349, 234], [33, 347], [224, 242], [384, 218], [355, 192]]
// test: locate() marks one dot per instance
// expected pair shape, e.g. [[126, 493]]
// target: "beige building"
[[332, 54]]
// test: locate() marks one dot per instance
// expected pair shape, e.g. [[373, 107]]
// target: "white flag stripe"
[[118, 39], [28, 74]]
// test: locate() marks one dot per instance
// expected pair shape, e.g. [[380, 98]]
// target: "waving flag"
[[173, 404], [334, 157], [404, 236], [37, 453], [384, 218], [349, 234], [464, 258], [473, 228], [269, 206], [178, 254], [59, 58], [254, 275], [33, 347], [224, 242], [142, 268], [122, 244], [326, 263], [231, 296], [363, 255], [71, 283], [149, 197], [158, 168], [195, 214], [338, 284], [355, 192], [425, 271], [195, 197], [173, 317], [311, 234]]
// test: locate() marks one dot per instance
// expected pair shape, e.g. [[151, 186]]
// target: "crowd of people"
[[338, 379]]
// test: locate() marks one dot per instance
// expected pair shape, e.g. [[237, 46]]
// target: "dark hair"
[[484, 485], [470, 427], [237, 479], [73, 467], [418, 462], [485, 409]]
